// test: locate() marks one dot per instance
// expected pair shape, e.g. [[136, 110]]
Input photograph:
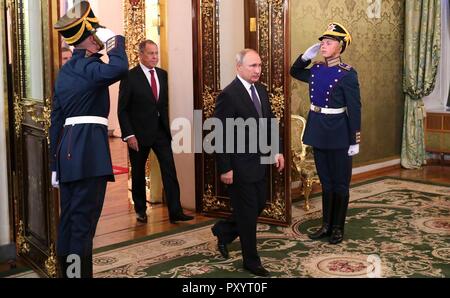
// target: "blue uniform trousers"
[[81, 205]]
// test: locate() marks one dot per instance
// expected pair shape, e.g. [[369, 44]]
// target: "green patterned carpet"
[[395, 228]]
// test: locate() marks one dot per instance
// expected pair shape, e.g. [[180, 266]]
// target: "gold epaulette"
[[345, 66]]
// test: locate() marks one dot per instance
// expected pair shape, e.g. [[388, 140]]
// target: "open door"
[[221, 29], [32, 42]]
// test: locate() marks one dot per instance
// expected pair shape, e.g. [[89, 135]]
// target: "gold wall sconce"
[[252, 25]]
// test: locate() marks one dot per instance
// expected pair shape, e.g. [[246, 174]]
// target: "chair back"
[[298, 124]]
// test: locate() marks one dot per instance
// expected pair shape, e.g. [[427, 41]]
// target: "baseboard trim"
[[438, 162], [376, 167]]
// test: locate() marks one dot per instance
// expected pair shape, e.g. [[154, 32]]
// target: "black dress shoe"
[[258, 270], [324, 231], [142, 218], [336, 236], [223, 249], [221, 246], [180, 217]]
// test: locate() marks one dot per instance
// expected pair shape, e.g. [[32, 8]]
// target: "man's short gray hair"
[[241, 55], [144, 43], [65, 49]]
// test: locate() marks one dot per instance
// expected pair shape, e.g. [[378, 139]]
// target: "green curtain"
[[422, 55]]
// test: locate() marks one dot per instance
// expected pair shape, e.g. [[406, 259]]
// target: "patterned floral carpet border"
[[395, 228]]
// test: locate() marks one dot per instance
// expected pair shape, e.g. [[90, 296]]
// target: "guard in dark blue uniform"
[[333, 126], [80, 156]]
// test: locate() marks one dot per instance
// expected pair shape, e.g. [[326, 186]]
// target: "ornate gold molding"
[[277, 208], [263, 13], [277, 101], [48, 77], [134, 29], [18, 115], [209, 101], [50, 263], [46, 121], [277, 46], [22, 245], [271, 47], [210, 82], [210, 202], [210, 41]]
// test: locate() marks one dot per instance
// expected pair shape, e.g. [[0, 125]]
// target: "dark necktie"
[[153, 83], [256, 100]]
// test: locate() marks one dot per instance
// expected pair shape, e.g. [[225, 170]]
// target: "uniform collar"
[[333, 62]]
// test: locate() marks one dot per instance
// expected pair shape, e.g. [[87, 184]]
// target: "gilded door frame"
[[31, 117], [273, 47], [9, 127]]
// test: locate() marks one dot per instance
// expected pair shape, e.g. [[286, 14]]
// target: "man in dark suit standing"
[[244, 173], [144, 120]]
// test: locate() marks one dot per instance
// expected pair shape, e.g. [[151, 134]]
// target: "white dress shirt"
[[146, 71], [247, 86]]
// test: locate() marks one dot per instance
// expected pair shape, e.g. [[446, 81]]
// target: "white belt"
[[327, 110], [86, 120]]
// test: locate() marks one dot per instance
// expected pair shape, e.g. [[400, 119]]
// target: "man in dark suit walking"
[[244, 173], [144, 120]]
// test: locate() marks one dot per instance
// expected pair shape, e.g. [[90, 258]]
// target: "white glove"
[[311, 52], [104, 34], [353, 150], [55, 183]]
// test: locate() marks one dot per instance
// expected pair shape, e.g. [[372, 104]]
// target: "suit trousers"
[[163, 150], [334, 168], [248, 201], [81, 205]]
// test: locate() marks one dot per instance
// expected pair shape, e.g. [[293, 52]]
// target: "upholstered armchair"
[[303, 165]]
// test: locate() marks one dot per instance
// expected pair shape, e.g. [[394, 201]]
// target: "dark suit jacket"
[[235, 102], [138, 111]]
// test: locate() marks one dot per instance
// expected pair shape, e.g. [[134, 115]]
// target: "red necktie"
[[153, 83]]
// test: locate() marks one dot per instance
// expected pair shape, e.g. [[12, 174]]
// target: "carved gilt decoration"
[[210, 202], [134, 29], [22, 245], [18, 115], [50, 263]]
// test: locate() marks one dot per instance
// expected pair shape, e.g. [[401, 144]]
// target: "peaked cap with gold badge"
[[78, 23], [338, 32]]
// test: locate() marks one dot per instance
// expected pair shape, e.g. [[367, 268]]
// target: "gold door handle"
[[30, 109], [44, 119]]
